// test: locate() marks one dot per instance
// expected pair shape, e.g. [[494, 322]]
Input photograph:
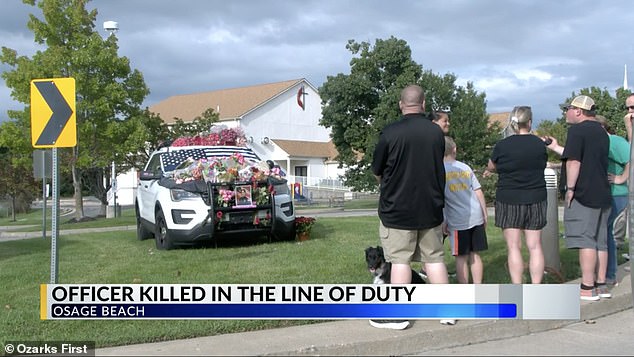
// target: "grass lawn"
[[333, 255]]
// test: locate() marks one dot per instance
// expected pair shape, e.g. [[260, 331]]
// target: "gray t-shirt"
[[462, 208]]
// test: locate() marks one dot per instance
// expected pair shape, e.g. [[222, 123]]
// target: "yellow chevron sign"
[[53, 119]]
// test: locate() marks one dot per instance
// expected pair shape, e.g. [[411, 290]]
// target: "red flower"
[[304, 224], [219, 215]]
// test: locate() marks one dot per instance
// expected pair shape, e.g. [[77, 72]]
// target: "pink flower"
[[219, 215]]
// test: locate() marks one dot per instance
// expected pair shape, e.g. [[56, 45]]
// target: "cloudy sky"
[[519, 52]]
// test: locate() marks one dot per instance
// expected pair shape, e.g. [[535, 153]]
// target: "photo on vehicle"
[[243, 196]]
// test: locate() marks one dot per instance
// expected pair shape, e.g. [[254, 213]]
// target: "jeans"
[[618, 204]]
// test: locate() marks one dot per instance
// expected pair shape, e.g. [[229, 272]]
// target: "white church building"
[[280, 121]]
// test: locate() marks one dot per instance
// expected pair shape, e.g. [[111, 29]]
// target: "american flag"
[[175, 157]]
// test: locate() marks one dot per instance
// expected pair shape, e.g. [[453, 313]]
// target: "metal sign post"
[[53, 125], [114, 189], [42, 167], [54, 218], [44, 195]]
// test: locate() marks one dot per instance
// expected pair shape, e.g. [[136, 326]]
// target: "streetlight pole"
[[112, 27]]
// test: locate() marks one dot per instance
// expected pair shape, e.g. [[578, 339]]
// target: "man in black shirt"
[[408, 163], [588, 200]]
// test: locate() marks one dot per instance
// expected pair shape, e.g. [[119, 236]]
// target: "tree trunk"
[[98, 182], [14, 218], [79, 202], [102, 210]]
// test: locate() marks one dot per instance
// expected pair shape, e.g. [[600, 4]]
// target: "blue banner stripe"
[[287, 311]]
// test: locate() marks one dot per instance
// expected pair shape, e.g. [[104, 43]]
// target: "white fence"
[[318, 182]]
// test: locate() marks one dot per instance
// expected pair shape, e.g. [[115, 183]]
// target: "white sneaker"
[[450, 322], [390, 324]]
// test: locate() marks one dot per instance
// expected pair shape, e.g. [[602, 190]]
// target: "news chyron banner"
[[304, 301]]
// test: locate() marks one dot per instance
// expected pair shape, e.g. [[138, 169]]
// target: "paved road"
[[92, 206]]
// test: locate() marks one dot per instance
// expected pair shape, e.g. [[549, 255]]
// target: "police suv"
[[177, 212]]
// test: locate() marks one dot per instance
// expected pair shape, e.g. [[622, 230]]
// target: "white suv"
[[186, 212]]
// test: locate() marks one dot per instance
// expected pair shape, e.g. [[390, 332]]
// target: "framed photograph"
[[243, 196]]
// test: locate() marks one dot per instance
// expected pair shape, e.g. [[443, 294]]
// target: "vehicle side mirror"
[[149, 175]]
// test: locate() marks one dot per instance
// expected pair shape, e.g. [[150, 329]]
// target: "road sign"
[[53, 120], [42, 164]]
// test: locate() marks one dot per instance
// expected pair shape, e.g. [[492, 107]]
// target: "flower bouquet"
[[219, 135], [304, 224], [224, 169]]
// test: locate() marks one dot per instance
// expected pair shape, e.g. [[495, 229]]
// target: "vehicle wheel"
[[163, 240], [142, 233], [284, 234]]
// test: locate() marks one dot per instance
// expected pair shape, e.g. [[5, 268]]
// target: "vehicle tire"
[[142, 233], [163, 239], [287, 234]]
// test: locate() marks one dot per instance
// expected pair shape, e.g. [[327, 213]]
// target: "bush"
[[488, 186]]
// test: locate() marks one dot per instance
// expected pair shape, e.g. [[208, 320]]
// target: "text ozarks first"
[[182, 293]]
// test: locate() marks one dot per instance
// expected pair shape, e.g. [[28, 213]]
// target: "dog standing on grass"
[[381, 270]]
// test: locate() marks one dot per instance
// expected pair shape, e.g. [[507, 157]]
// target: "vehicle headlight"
[[179, 195]]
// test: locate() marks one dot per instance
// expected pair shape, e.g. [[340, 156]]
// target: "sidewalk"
[[6, 235], [357, 337]]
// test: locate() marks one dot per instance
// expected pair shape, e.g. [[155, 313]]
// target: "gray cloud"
[[517, 52]]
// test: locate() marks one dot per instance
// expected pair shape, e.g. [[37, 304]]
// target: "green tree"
[[199, 125], [611, 107], [16, 171], [108, 91], [146, 132], [469, 121], [17, 183], [358, 105]]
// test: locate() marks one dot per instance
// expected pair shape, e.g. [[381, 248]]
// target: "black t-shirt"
[[520, 161], [588, 143], [409, 159]]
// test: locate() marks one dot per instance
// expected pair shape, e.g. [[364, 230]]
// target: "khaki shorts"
[[405, 246]]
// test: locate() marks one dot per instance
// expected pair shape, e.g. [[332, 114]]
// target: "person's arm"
[[483, 204], [622, 178], [554, 145], [490, 169], [572, 173]]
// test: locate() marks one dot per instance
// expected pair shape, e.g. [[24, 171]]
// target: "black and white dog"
[[382, 270]]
